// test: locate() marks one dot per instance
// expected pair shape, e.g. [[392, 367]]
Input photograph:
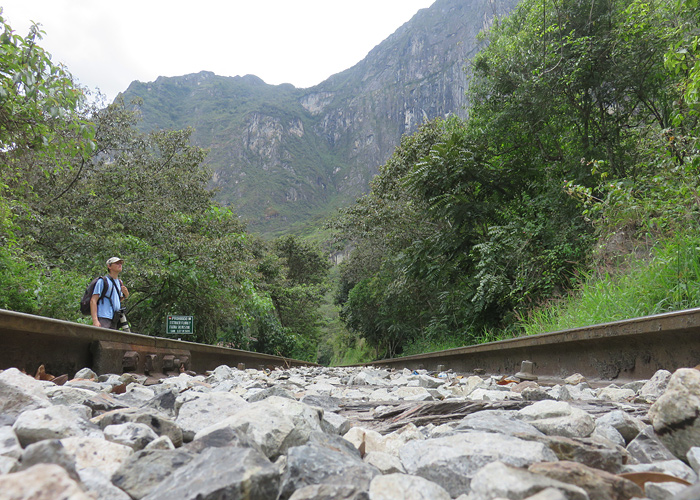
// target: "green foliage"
[[82, 184], [39, 118], [668, 281], [570, 101]]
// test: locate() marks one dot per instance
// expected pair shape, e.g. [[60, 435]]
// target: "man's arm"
[[93, 309]]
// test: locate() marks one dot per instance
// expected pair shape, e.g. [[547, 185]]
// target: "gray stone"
[[496, 480], [327, 403], [596, 483], [603, 431], [86, 373], [536, 394], [314, 464], [333, 423], [160, 443], [49, 451], [674, 468], [271, 391], [9, 444], [693, 457], [52, 423], [8, 464], [164, 402], [591, 452], [498, 421], [144, 470], [35, 482], [20, 392], [656, 386], [274, 424], [647, 447], [330, 492], [616, 394], [386, 463], [430, 382], [333, 442], [675, 414], [222, 473], [402, 486], [205, 409], [558, 418], [97, 453], [452, 461], [628, 426], [66, 395], [663, 491], [547, 494], [101, 403], [559, 393], [97, 483], [160, 424], [131, 434]]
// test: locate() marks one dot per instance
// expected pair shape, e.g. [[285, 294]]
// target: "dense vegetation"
[[580, 150], [80, 183]]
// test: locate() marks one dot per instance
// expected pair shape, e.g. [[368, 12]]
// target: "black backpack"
[[85, 301]]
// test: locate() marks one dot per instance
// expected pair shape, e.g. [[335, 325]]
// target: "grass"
[[668, 281]]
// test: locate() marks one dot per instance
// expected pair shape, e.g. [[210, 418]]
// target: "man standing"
[[106, 312]]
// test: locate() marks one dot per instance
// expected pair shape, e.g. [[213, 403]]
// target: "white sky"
[[106, 44]]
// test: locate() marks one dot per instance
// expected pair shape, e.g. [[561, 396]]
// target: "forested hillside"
[[579, 158], [284, 157], [81, 183]]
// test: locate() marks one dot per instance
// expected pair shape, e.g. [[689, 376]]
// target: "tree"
[[39, 105]]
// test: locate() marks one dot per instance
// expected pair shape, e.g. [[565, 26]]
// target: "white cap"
[[112, 260]]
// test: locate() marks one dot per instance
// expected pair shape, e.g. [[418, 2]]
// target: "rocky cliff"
[[285, 157]]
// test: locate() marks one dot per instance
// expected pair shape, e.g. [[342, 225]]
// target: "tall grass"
[[668, 281]]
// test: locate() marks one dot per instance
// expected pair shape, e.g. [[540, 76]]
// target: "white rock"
[[9, 444], [663, 491], [499, 480], [134, 435], [452, 461], [20, 392], [404, 487], [558, 418], [675, 414], [616, 394], [656, 386], [98, 453], [42, 481], [52, 423], [201, 410], [385, 462]]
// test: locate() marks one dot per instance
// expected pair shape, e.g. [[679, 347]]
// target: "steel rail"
[[632, 349], [64, 347]]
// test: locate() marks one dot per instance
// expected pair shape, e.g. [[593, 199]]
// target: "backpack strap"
[[103, 294], [116, 287]]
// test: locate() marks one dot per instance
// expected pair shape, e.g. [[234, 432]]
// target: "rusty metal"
[[64, 347], [623, 350], [632, 349]]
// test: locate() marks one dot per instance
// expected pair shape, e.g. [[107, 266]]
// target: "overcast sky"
[[106, 44]]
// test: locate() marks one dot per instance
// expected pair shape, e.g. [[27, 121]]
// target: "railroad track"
[[633, 349]]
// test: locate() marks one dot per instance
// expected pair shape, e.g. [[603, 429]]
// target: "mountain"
[[285, 157]]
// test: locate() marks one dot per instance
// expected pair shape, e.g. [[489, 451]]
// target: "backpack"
[[87, 296]]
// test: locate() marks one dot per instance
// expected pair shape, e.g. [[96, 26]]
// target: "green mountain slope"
[[285, 157]]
